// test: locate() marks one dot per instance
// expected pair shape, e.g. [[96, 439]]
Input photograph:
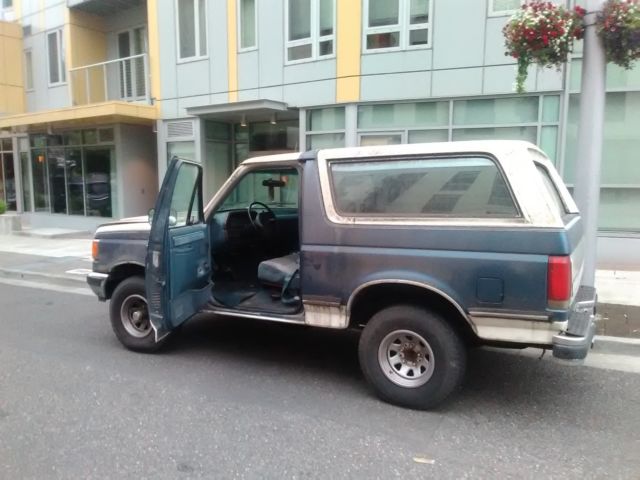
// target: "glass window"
[[380, 139], [620, 165], [551, 188], [99, 198], [75, 181], [503, 7], [9, 175], [324, 119], [7, 3], [551, 108], [56, 174], [424, 114], [397, 23], [384, 12], [496, 111], [55, 55], [181, 149], [549, 142], [502, 133], [618, 210], [277, 188], [185, 201], [428, 136], [217, 130], [25, 168], [40, 183], [325, 140], [464, 187], [218, 165], [192, 28], [247, 24], [28, 70], [310, 29]]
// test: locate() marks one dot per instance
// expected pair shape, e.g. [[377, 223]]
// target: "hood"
[[126, 226]]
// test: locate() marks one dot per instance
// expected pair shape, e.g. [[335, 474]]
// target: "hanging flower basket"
[[618, 25], [541, 33]]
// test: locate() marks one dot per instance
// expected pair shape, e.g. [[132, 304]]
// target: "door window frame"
[[130, 63]]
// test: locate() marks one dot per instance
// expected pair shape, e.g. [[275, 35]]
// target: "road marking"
[[80, 271], [47, 286]]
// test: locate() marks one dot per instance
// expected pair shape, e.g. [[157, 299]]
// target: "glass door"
[[132, 78]]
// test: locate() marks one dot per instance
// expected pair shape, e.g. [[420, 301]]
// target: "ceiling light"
[[273, 119], [243, 121]]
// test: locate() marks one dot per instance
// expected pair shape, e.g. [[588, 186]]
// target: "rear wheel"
[[411, 356], [130, 316]]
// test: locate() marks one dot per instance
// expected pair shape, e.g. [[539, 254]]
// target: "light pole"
[[590, 127]]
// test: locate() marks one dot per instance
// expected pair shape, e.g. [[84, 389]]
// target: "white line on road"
[[47, 286]]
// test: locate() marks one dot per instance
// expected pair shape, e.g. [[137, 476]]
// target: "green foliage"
[[3, 207]]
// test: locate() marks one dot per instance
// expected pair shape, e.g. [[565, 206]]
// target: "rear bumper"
[[575, 342], [98, 282]]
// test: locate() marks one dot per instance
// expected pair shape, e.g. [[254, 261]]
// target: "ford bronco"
[[426, 249]]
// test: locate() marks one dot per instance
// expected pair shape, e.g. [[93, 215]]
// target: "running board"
[[297, 319]]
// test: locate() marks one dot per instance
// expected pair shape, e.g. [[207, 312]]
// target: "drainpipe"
[[590, 137]]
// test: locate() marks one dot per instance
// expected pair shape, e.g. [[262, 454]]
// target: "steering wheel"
[[262, 221]]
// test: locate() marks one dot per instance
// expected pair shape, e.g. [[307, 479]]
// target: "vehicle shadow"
[[495, 381]]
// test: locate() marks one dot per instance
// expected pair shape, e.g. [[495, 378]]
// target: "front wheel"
[[411, 356], [130, 316]]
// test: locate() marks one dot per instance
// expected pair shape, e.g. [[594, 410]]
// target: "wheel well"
[[376, 297], [120, 273]]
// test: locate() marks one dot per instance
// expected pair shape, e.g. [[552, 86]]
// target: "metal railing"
[[125, 79]]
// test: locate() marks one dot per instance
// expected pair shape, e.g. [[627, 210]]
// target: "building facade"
[[221, 80]]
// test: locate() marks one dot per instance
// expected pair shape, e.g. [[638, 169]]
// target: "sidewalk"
[[68, 260]]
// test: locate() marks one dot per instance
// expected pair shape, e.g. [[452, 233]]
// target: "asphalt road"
[[239, 399]]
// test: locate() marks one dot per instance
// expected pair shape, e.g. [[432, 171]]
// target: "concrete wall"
[[137, 172], [39, 18]]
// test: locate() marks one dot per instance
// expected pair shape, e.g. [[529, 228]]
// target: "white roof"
[[497, 148]]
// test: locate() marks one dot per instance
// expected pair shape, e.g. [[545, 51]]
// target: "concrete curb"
[[616, 345], [62, 280]]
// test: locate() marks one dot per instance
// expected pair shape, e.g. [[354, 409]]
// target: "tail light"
[[94, 249], [559, 282]]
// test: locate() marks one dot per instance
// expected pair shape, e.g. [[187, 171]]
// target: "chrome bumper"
[[574, 344]]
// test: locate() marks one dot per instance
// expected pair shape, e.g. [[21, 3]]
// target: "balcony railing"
[[125, 79]]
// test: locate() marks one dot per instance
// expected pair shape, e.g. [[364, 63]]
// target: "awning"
[[93, 114], [250, 111]]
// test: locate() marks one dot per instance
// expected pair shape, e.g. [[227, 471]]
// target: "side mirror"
[[172, 221], [150, 215]]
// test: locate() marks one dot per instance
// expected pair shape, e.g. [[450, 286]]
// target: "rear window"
[[558, 204], [461, 186]]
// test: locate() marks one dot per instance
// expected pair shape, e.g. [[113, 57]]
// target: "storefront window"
[[71, 173], [325, 128], [620, 177], [7, 174]]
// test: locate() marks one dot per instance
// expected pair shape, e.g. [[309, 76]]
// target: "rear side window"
[[558, 204], [461, 187]]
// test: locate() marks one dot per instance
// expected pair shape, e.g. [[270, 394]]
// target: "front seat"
[[279, 271]]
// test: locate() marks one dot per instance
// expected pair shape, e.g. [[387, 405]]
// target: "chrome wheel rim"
[[134, 316], [406, 358]]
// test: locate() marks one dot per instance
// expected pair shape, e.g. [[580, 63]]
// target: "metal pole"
[[589, 159]]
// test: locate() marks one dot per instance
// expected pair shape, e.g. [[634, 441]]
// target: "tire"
[[411, 356], [130, 318]]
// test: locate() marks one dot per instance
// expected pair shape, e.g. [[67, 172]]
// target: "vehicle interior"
[[255, 244]]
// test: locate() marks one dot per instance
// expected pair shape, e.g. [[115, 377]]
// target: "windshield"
[[277, 188]]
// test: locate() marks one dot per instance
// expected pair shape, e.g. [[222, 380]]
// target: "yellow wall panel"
[[154, 49], [11, 73], [87, 44], [349, 37]]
